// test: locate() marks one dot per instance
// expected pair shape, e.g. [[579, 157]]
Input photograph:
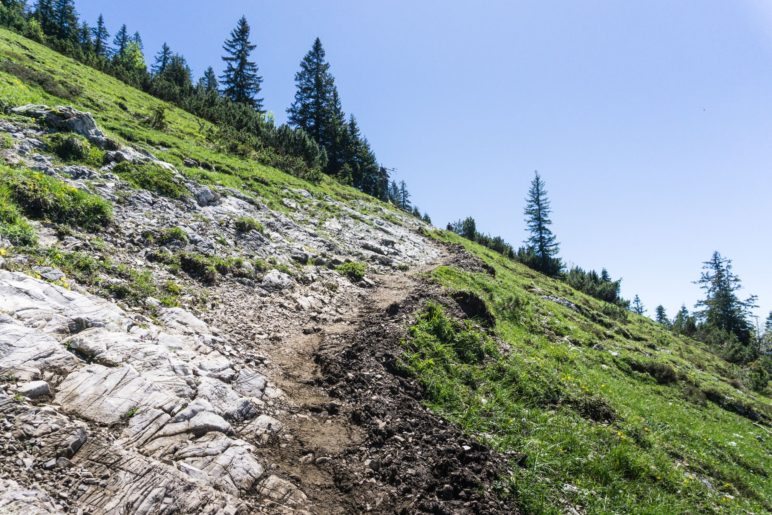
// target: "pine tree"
[[661, 316], [404, 196], [162, 59], [394, 193], [136, 38], [100, 37], [541, 243], [426, 218], [317, 107], [178, 72], [121, 41], [637, 306], [65, 20], [84, 38], [44, 14], [684, 323], [240, 79], [209, 81], [721, 309]]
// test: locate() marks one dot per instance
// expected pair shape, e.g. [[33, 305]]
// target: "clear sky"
[[651, 121]]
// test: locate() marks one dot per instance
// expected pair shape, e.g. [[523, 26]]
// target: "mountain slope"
[[193, 321]]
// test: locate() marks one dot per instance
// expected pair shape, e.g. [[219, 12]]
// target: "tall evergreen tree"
[[541, 243], [404, 196], [121, 41], [101, 37], [684, 323], [637, 306], [65, 20], [45, 15], [162, 59], [84, 38], [137, 38], [209, 81], [317, 107], [661, 316], [241, 83], [721, 309], [394, 193]]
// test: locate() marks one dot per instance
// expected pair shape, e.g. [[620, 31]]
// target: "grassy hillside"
[[606, 411], [33, 73]]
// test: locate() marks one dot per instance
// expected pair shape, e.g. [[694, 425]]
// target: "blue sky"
[[650, 121]]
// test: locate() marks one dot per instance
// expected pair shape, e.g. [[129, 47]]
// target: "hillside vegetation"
[[595, 409], [606, 410]]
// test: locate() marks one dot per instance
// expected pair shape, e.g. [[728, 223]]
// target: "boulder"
[[65, 118], [277, 281], [34, 389]]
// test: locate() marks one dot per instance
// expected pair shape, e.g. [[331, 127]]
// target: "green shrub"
[[6, 141], [13, 226], [69, 147], [173, 235], [246, 224], [153, 178], [198, 266], [47, 198], [354, 271]]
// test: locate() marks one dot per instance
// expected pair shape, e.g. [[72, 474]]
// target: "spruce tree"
[[637, 306], [84, 38], [541, 243], [241, 83], [317, 107], [101, 37], [722, 310], [684, 323], [404, 196], [65, 20], [162, 59], [394, 193], [661, 316], [209, 81], [121, 41], [44, 14], [136, 38]]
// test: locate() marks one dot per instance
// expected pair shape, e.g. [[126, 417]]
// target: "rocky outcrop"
[[65, 118]]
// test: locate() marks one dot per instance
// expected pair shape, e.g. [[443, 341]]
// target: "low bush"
[[13, 226], [353, 270], [246, 224], [173, 235], [152, 177], [42, 197]]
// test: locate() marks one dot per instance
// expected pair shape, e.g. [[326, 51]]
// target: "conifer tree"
[[162, 59], [136, 38], [121, 41], [426, 218], [100, 37], [317, 107], [637, 306], [44, 14], [541, 244], [209, 81], [684, 323], [394, 193], [722, 310], [84, 38], [241, 83], [404, 196], [661, 316], [65, 20]]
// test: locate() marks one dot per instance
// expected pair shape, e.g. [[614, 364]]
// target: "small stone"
[[35, 389]]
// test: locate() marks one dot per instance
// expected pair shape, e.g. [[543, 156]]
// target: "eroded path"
[[354, 436]]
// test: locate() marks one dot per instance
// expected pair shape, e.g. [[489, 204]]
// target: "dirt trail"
[[355, 437]]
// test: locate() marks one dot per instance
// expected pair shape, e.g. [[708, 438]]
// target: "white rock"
[[34, 389]]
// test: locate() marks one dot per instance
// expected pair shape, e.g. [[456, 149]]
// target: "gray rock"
[[48, 273], [34, 389], [65, 118], [277, 281], [207, 197]]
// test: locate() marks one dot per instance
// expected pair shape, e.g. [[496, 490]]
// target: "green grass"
[[245, 224], [153, 178], [42, 197], [611, 412], [40, 75], [73, 147]]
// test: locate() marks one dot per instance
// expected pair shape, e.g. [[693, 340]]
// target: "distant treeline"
[[319, 137]]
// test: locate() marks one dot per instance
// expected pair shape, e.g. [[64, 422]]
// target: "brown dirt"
[[356, 437]]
